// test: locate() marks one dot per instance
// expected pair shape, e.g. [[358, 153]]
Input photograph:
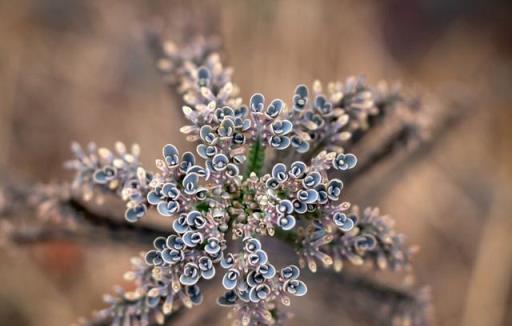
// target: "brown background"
[[79, 70]]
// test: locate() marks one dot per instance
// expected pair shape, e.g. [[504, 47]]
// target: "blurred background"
[[81, 70]]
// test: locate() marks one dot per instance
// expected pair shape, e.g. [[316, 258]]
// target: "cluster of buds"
[[254, 286], [329, 119], [288, 194], [225, 194], [158, 291], [101, 171], [225, 131], [346, 234]]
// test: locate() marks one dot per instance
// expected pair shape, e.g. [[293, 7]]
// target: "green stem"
[[255, 159], [289, 237]]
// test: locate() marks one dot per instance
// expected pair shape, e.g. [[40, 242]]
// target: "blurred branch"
[[381, 302], [486, 302], [390, 139], [54, 214], [488, 294], [38, 234]]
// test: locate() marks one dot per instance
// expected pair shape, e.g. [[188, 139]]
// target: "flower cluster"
[[226, 130], [225, 194], [329, 119], [198, 73], [290, 193], [356, 237], [158, 291], [254, 286], [100, 171], [178, 64]]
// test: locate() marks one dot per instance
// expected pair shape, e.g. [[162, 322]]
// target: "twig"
[[382, 302], [488, 291], [78, 222], [393, 141]]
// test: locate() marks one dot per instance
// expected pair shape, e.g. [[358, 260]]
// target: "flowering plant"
[[225, 199]]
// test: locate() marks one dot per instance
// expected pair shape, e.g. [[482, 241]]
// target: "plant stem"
[[289, 237], [255, 159]]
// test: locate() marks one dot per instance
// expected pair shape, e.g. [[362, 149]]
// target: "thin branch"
[[117, 228], [380, 302], [389, 140], [58, 217]]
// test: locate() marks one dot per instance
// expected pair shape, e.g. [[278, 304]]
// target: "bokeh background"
[[80, 70]]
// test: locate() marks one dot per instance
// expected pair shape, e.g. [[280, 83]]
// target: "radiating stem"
[[255, 159]]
